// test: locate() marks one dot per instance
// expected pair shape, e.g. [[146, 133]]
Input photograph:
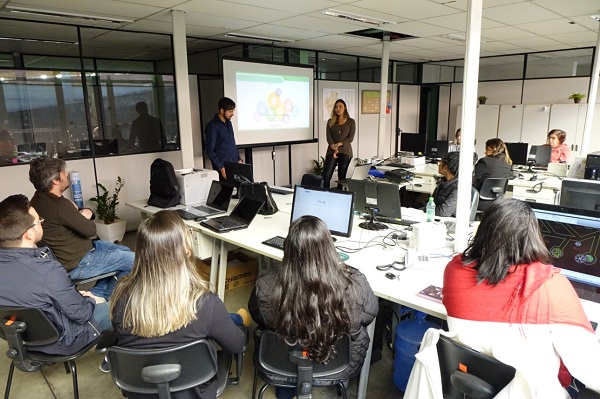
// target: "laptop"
[[240, 218], [218, 199], [360, 172]]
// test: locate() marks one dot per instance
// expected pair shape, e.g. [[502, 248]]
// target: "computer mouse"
[[199, 218], [533, 178]]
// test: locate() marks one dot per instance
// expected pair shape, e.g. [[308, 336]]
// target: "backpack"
[[164, 189]]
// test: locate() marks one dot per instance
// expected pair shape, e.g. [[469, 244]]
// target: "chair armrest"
[[471, 386], [161, 373]]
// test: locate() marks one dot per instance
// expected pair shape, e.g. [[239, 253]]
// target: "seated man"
[[30, 278], [69, 230]]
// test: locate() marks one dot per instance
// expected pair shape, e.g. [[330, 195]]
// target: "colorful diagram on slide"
[[272, 101], [577, 245]]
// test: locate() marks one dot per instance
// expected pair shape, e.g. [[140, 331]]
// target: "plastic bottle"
[[430, 209], [15, 156], [76, 189]]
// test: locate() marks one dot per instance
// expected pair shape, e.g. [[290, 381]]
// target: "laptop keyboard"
[[204, 209], [276, 242], [227, 222], [387, 219], [185, 215]]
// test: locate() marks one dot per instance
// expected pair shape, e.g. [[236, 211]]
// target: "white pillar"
[[589, 117], [469, 109], [385, 62], [183, 90]]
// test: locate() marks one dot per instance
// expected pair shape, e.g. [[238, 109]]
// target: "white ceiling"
[[508, 26]]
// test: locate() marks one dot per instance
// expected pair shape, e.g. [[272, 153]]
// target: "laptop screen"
[[573, 239], [246, 209], [219, 195], [333, 207]]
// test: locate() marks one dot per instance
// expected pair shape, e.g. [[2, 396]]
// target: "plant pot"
[[577, 100], [111, 232], [482, 102]]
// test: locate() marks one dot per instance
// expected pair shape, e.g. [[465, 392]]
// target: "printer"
[[194, 184]]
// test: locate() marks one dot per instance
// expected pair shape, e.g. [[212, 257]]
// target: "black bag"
[[259, 192], [399, 175], [164, 189]]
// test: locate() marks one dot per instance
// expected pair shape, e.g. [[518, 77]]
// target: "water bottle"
[[76, 189], [430, 209]]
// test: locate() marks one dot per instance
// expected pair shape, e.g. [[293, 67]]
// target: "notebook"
[[360, 172], [218, 199], [240, 218]]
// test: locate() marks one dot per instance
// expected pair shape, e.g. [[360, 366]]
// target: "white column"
[[589, 117], [385, 62], [183, 89], [469, 109]]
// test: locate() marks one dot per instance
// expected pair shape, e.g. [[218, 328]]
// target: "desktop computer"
[[592, 166]]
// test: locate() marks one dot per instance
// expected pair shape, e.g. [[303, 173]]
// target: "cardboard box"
[[241, 270], [413, 160]]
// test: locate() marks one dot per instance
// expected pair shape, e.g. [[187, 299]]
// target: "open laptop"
[[240, 218], [360, 172], [219, 196]]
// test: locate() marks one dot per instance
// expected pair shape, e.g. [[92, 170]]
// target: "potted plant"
[[482, 99], [576, 97], [108, 226], [318, 164]]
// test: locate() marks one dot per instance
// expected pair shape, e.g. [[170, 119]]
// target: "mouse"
[[533, 178], [199, 218]]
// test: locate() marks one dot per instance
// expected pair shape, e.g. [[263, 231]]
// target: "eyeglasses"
[[35, 224]]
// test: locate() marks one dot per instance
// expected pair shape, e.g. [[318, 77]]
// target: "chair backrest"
[[38, 328], [312, 180], [277, 358], [474, 203], [493, 188], [462, 367], [144, 370]]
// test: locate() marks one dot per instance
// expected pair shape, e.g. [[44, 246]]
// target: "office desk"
[[546, 189], [426, 177]]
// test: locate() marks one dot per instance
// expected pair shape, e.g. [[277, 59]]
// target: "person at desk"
[[505, 299], [311, 286], [220, 140], [446, 191], [455, 145], [340, 134], [496, 163], [166, 302], [560, 151]]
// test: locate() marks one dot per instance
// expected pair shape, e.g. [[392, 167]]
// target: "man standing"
[[69, 230], [147, 130], [220, 140], [30, 278]]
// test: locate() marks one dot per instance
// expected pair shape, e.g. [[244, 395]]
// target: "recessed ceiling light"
[[259, 38], [60, 14], [356, 17], [25, 39]]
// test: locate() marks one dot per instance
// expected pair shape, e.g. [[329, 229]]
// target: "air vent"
[[379, 34]]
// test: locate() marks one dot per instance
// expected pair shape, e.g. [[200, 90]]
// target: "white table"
[[545, 189]]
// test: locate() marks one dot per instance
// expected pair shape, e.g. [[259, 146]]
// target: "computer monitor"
[[580, 194], [413, 142], [238, 172], [334, 207], [540, 154], [572, 237], [518, 152], [436, 148], [383, 198]]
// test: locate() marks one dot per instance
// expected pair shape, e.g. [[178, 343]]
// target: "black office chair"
[[24, 329], [474, 203], [492, 189], [166, 370], [280, 364], [467, 373], [312, 180]]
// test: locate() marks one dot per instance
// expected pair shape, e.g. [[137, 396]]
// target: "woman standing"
[[504, 299], [560, 151], [314, 298], [496, 163], [340, 134], [165, 302]]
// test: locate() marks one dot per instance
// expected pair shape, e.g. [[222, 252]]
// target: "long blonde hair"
[[498, 149], [334, 118], [163, 291]]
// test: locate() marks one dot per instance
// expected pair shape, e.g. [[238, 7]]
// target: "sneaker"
[[245, 316], [104, 366]]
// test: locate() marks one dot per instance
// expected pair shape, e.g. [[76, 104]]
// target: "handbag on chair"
[[259, 192]]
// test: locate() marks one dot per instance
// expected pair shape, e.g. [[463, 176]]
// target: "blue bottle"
[[76, 189]]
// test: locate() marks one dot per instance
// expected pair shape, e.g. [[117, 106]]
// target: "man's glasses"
[[33, 225]]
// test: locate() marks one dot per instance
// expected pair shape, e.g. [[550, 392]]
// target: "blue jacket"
[[220, 143], [29, 279]]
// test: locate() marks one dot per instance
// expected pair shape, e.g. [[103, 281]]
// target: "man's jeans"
[[100, 317], [104, 257]]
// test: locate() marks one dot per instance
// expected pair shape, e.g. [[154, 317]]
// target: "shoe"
[[245, 316], [104, 366]]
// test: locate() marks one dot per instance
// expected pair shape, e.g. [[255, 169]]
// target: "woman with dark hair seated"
[[446, 191], [165, 302], [496, 163], [314, 298], [505, 299], [560, 151]]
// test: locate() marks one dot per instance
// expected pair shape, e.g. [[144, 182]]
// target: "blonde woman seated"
[[496, 163], [165, 302]]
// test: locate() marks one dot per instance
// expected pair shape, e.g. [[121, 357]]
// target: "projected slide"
[[571, 246], [272, 101]]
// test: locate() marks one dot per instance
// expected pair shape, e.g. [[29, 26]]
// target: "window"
[[560, 63]]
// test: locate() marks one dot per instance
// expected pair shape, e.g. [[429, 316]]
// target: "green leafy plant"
[[106, 205], [577, 97], [482, 99], [318, 165]]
